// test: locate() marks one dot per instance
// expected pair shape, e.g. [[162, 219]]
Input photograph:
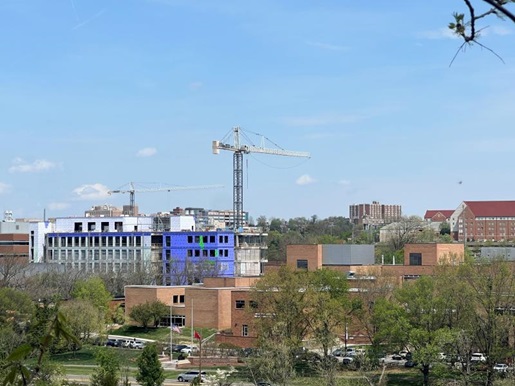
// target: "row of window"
[[94, 254], [240, 304], [201, 239], [95, 241], [92, 226]]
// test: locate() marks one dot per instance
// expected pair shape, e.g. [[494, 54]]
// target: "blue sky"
[[95, 94]]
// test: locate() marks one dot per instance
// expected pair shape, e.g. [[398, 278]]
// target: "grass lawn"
[[86, 356]]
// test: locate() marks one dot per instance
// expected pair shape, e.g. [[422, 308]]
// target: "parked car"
[[112, 343], [478, 357], [190, 376], [347, 360], [178, 347], [404, 353], [338, 353], [500, 367], [188, 349], [410, 363], [397, 357], [139, 345]]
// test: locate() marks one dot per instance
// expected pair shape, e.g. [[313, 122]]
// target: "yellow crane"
[[239, 149], [132, 191]]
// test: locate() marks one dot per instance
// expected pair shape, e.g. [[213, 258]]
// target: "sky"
[[98, 94]]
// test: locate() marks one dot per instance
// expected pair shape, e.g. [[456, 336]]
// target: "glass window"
[[415, 259], [240, 304], [244, 330], [302, 264]]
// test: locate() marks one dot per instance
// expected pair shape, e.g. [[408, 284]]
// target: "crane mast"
[[239, 150]]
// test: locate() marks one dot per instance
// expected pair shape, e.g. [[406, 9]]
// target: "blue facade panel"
[[190, 256]]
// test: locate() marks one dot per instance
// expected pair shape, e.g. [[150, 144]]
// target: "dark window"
[[91, 226], [220, 239], [226, 239], [211, 253], [190, 239], [197, 252], [78, 227], [244, 330], [211, 239], [175, 299], [415, 259], [240, 303], [190, 252], [302, 264], [105, 226], [197, 239], [181, 299]]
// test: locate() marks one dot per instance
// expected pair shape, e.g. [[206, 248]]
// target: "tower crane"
[[132, 192], [239, 150]]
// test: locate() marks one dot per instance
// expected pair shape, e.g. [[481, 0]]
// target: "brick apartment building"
[[374, 214], [482, 221]]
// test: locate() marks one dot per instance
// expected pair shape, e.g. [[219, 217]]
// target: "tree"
[[83, 317], [142, 314], [108, 371], [94, 290], [150, 371], [149, 312], [419, 319], [15, 306], [465, 24], [49, 327]]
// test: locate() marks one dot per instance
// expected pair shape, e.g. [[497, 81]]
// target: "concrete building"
[[505, 253], [169, 245], [374, 214], [484, 221], [14, 240]]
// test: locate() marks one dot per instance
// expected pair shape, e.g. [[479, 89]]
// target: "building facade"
[[374, 214], [484, 221]]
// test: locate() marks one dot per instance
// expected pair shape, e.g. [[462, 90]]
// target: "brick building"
[[438, 215], [483, 221], [374, 214]]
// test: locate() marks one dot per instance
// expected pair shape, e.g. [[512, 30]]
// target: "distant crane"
[[132, 191], [240, 149]]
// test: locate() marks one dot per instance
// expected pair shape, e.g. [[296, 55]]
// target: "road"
[[85, 380]]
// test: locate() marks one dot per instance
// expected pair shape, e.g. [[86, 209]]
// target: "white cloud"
[[147, 152], [58, 205], [4, 188], [305, 179], [195, 85], [327, 46], [344, 182], [91, 192], [440, 33], [21, 166]]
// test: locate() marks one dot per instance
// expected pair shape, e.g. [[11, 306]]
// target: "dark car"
[[397, 357], [113, 343], [410, 363], [178, 347]]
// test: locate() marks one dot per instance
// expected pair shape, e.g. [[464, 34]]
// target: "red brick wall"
[[311, 253]]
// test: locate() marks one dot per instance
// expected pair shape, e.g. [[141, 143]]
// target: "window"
[[78, 227], [244, 330], [181, 299], [302, 264], [190, 239], [240, 304], [91, 226], [415, 259], [175, 299], [211, 239]]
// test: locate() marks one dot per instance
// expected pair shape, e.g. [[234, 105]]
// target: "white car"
[[189, 349], [478, 357], [500, 367], [190, 376]]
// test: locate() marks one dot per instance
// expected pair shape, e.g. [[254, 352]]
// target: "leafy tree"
[[84, 318], [50, 327], [419, 319], [94, 290], [108, 371], [150, 371], [15, 306], [158, 310], [142, 314]]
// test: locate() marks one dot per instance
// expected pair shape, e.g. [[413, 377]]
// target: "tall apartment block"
[[374, 214]]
